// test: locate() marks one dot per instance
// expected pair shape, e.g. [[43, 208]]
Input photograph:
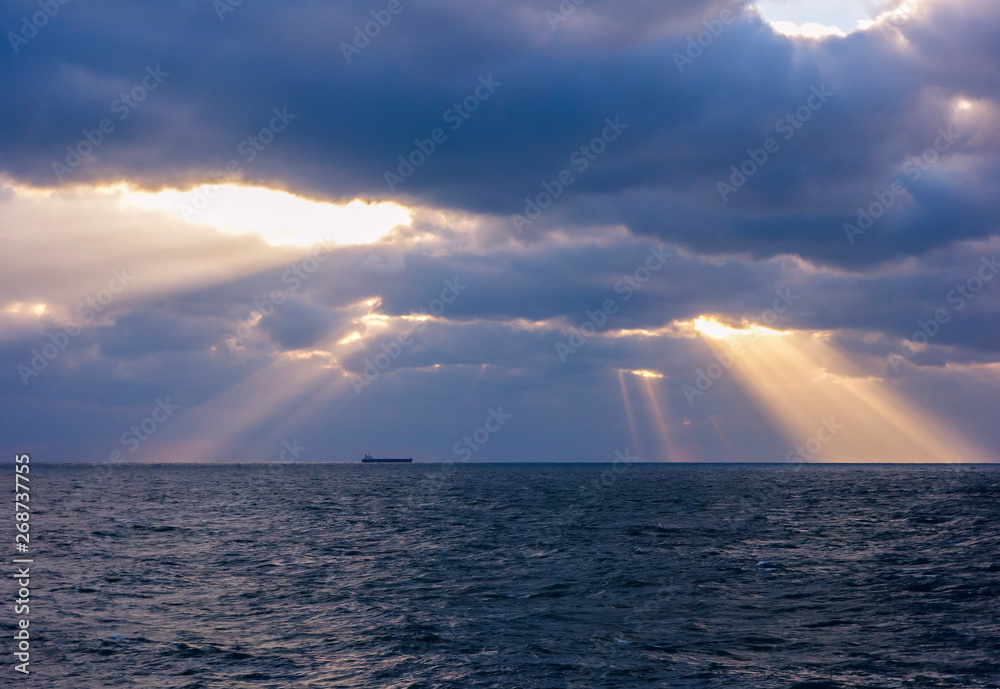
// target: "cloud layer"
[[544, 151]]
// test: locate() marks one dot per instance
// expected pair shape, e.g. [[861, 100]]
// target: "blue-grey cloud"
[[352, 120], [900, 125]]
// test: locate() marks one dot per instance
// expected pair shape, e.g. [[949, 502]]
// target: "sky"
[[696, 231]]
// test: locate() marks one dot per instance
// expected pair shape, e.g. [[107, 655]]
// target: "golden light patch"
[[23, 308], [280, 218], [710, 327], [352, 337]]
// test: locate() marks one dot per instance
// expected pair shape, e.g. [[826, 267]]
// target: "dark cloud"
[[554, 82], [148, 331], [557, 87]]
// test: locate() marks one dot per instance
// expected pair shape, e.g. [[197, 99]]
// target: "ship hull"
[[386, 461]]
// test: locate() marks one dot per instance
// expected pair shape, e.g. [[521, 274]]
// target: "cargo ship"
[[368, 459]]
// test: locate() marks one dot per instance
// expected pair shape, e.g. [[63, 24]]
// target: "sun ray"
[[630, 416], [659, 421], [475, 382], [802, 381], [225, 421]]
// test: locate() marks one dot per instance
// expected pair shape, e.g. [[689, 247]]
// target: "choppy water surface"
[[512, 576]]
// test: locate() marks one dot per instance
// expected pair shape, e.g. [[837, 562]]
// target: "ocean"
[[519, 575]]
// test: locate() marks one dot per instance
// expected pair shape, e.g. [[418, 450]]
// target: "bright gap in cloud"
[[710, 327], [20, 307], [643, 373], [280, 218], [819, 18]]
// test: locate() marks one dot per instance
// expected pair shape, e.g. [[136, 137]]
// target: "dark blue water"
[[516, 576]]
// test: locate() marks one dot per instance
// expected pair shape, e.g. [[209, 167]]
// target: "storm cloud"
[[543, 150]]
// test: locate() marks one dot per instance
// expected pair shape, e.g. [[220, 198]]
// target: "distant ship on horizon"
[[368, 459]]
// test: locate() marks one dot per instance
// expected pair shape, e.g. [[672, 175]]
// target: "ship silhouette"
[[368, 459]]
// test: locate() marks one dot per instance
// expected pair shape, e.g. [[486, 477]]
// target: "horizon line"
[[646, 463]]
